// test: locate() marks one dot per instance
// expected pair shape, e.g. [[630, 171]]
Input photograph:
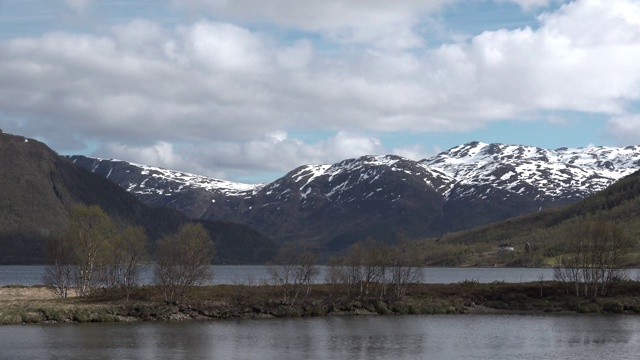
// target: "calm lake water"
[[354, 337], [255, 274]]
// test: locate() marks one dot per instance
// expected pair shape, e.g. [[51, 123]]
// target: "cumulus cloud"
[[215, 88], [161, 154], [275, 151], [415, 152], [529, 4], [625, 129], [79, 6], [284, 153], [388, 24], [583, 58]]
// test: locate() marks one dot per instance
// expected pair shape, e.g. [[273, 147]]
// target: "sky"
[[247, 90]]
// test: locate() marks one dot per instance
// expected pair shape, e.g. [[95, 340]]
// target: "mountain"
[[332, 205], [548, 230], [39, 188], [190, 194], [494, 182], [385, 196]]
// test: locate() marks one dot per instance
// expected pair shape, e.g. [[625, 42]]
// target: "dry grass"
[[19, 294]]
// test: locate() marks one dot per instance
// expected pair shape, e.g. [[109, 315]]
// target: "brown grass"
[[10, 295]]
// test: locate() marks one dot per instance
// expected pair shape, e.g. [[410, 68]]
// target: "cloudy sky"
[[247, 90]]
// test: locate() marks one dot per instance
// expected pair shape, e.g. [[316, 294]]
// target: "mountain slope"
[[336, 205], [384, 196], [497, 181], [547, 230], [554, 173], [38, 189], [190, 194]]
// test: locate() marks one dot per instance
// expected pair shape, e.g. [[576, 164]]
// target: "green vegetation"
[[40, 189], [548, 232], [94, 253], [182, 261]]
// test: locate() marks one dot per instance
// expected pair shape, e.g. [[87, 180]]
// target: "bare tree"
[[59, 273], [294, 269], [122, 265], [569, 268], [363, 269], [134, 251], [405, 267], [183, 260], [93, 254], [89, 233], [596, 257]]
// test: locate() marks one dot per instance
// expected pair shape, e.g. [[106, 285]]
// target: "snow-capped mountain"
[[555, 173], [381, 196], [189, 193]]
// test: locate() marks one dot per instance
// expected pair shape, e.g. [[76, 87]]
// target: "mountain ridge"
[[39, 189], [547, 231], [386, 196]]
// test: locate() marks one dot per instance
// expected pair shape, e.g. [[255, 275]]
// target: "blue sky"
[[247, 90]]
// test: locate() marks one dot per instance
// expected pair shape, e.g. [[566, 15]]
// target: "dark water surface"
[[585, 337], [29, 275]]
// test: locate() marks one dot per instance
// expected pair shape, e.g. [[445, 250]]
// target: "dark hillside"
[[619, 203], [38, 188], [239, 244]]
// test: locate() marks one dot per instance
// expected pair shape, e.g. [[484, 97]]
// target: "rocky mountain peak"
[[467, 185]]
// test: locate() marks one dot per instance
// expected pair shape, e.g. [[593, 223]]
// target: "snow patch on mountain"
[[167, 182], [366, 169], [555, 173], [459, 171]]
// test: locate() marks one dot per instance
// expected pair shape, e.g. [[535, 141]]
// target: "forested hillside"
[[547, 231]]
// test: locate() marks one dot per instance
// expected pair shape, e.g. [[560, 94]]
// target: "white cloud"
[[139, 35], [529, 4], [625, 129], [414, 152], [219, 87], [231, 160], [386, 24], [161, 154], [583, 58], [79, 6], [224, 47], [281, 153]]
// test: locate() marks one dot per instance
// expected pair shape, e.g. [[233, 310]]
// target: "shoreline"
[[38, 304]]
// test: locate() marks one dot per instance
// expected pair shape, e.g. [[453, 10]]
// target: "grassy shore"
[[19, 305]]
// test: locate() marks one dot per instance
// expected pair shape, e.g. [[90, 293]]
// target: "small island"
[[40, 305]]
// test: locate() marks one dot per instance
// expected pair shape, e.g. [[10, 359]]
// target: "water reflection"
[[393, 337], [596, 330]]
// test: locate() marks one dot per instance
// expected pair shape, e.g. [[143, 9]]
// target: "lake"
[[497, 337], [29, 275]]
